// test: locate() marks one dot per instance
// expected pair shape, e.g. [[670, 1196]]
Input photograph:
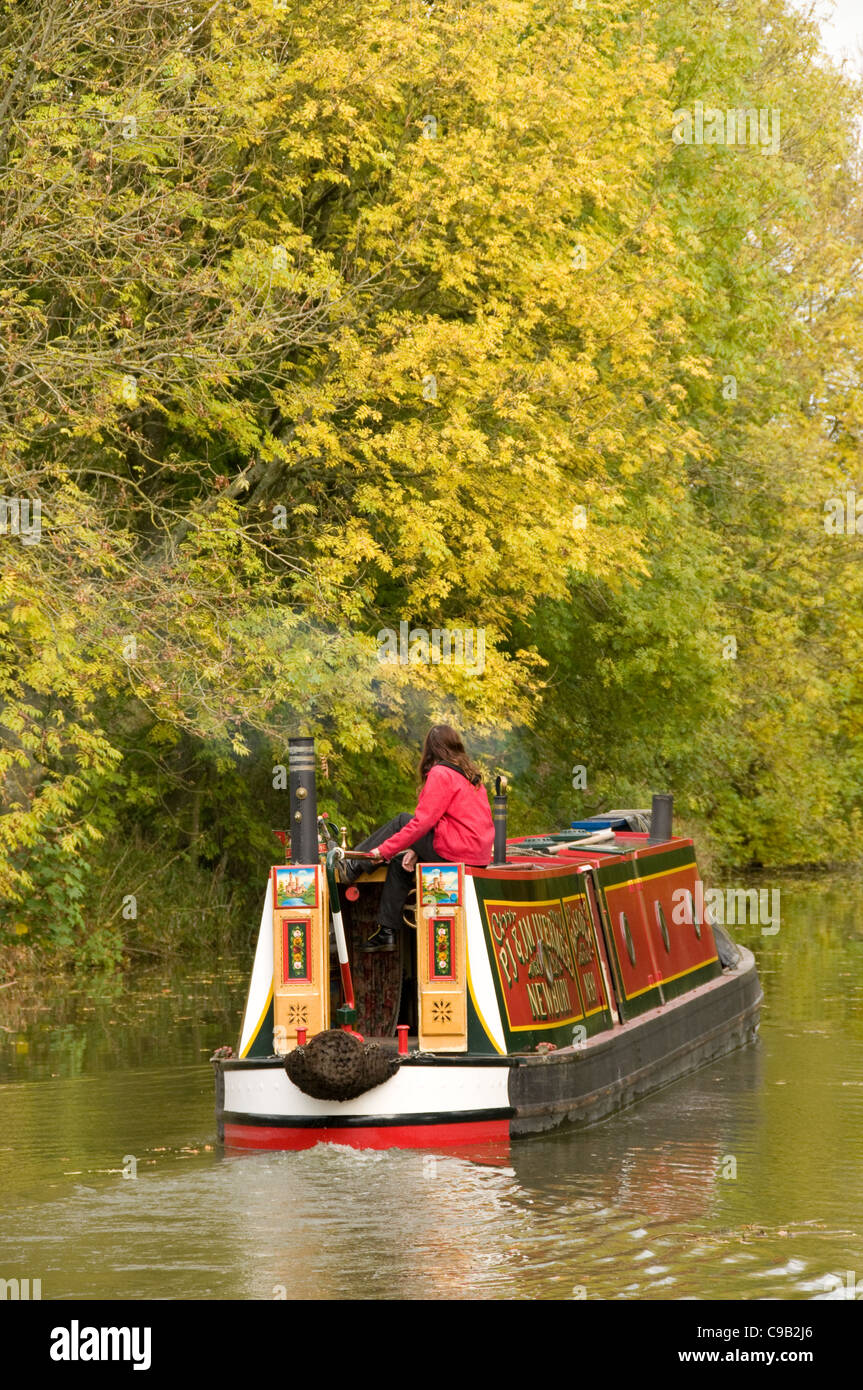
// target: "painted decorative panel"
[[296, 963], [295, 885], [441, 948], [441, 884]]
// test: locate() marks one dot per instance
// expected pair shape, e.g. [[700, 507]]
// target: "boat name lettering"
[[537, 947], [581, 929], [520, 933], [499, 921], [548, 1001]]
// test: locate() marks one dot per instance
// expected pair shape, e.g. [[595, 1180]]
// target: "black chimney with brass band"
[[304, 800], [499, 818]]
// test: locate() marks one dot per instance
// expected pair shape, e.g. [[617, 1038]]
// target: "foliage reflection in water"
[[739, 1182]]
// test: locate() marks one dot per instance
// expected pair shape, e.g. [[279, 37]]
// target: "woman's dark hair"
[[444, 745]]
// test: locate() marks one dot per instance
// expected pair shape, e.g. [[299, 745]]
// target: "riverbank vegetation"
[[321, 319]]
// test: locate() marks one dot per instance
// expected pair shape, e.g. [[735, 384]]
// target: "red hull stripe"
[[369, 1137]]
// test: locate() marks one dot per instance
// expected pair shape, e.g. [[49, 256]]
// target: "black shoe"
[[352, 869], [382, 939]]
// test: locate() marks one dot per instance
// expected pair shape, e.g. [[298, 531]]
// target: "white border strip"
[[480, 966], [262, 971], [423, 1090]]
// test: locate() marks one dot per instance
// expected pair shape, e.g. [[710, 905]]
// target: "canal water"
[[740, 1182]]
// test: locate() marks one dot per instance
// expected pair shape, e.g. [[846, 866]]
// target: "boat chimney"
[[303, 800], [499, 818], [660, 817]]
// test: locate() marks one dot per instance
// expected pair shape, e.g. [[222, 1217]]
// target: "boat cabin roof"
[[564, 850]]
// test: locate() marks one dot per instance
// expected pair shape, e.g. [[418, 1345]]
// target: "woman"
[[452, 822]]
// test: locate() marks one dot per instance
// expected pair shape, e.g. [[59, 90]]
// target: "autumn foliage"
[[317, 318]]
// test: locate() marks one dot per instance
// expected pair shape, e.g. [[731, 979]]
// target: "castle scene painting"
[[296, 887], [439, 883]]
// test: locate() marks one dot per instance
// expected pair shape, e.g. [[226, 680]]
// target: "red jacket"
[[459, 813]]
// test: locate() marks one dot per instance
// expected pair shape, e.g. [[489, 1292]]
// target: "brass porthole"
[[627, 937]]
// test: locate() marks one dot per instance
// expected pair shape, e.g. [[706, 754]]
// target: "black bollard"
[[303, 800], [499, 818], [660, 817]]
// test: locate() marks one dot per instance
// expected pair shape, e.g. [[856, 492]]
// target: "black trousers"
[[399, 881]]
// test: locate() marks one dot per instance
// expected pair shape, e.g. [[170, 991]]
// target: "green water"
[[741, 1182]]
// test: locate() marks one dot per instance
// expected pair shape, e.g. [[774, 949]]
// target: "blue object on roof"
[[601, 823], [615, 820]]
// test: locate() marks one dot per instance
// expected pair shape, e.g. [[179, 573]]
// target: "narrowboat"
[[569, 978]]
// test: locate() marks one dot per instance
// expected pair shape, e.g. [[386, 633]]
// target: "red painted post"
[[301, 1037], [402, 1030]]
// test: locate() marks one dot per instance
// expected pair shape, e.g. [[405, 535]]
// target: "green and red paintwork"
[[591, 982]]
